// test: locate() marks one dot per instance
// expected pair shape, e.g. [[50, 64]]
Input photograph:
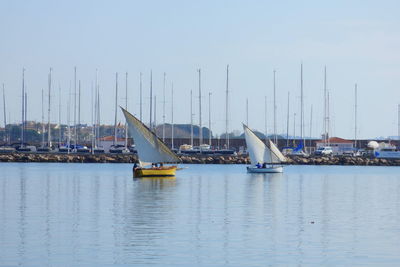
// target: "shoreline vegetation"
[[192, 159]]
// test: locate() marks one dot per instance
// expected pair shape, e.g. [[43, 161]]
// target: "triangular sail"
[[276, 155], [258, 151], [149, 147]]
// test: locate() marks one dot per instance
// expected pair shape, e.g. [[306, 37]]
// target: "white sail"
[[259, 152], [276, 155], [149, 147]]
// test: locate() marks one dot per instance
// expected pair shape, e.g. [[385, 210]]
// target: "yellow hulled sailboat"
[[151, 151]]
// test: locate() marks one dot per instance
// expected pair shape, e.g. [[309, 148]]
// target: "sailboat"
[[151, 150], [265, 158]]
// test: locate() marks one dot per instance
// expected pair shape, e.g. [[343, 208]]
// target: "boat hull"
[[269, 169], [155, 172]]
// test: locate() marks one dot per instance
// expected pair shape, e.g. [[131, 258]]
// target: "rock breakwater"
[[197, 159]]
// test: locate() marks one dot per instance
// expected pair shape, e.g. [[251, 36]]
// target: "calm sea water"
[[215, 215]]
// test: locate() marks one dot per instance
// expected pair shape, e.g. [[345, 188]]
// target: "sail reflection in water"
[[96, 214]]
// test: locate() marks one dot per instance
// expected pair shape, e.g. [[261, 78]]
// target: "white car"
[[324, 151]]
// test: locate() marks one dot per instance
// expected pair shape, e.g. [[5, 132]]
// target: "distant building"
[[339, 145], [107, 141]]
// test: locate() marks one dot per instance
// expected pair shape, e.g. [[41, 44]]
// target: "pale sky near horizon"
[[358, 41]]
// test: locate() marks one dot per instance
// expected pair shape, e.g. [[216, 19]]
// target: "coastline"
[[192, 159]]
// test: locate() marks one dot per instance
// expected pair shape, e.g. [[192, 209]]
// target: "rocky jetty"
[[77, 158], [193, 159], [342, 160]]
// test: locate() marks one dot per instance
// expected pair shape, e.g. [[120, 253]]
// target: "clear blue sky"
[[358, 41]]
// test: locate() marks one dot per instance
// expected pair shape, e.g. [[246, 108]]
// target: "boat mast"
[[140, 93], [98, 115], [92, 116], [398, 124], [23, 108], [48, 113], [302, 106], [116, 104], [311, 127], [294, 128], [226, 108], [172, 116], [275, 137], [191, 118], [265, 118], [200, 126], [79, 112], [247, 112], [163, 127], [151, 99], [26, 108], [287, 119], [59, 115], [75, 139], [355, 116], [325, 109], [94, 124], [328, 118], [209, 118], [155, 115], [68, 118], [4, 114], [126, 108], [42, 119]]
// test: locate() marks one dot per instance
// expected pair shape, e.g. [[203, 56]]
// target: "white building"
[[338, 145], [107, 141]]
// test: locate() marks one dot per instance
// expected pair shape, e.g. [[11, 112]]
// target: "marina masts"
[[200, 126]]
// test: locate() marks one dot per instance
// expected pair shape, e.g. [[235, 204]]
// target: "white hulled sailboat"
[[265, 158]]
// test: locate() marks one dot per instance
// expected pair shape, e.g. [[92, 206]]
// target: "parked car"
[[324, 151]]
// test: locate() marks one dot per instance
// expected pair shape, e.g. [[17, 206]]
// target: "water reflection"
[[97, 214]]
